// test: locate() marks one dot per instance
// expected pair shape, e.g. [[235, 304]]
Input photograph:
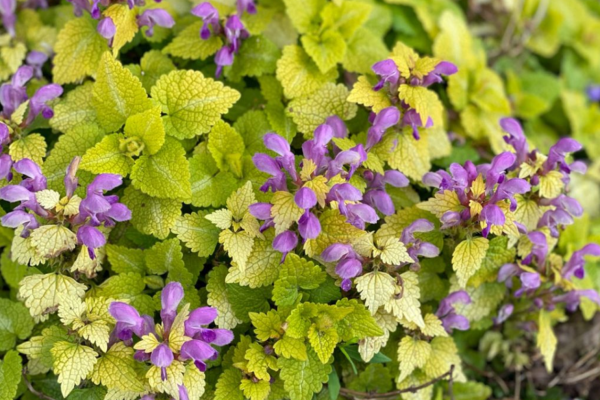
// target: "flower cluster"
[[232, 30], [83, 216], [179, 337]]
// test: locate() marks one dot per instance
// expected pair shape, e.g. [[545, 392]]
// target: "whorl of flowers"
[[180, 336]]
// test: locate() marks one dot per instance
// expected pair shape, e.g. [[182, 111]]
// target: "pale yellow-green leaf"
[[546, 339], [290, 347], [47, 198], [376, 289], [116, 369], [444, 355], [441, 203], [433, 326], [217, 297], [96, 332], [411, 156], [240, 200], [42, 293], [177, 335], [392, 251], [170, 385], [107, 157], [238, 245], [71, 309], [51, 240], [221, 218], [405, 304], [255, 390], [259, 362], [551, 184], [125, 22], [194, 381], [23, 252], [72, 363], [412, 353], [285, 211], [468, 257], [146, 127]]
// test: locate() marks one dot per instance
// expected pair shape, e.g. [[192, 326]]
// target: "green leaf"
[[257, 56], [294, 274], [71, 144], [496, 256], [358, 323], [298, 73], [12, 272], [10, 375], [345, 18], [228, 385], [468, 257], [227, 147], [311, 111], [198, 233], [107, 157], [326, 49], [304, 13], [363, 48], [151, 215], [164, 256], [252, 126], [128, 286], [245, 300], [72, 363], [333, 385], [259, 362], [193, 103], [74, 109], [323, 341], [146, 127], [15, 323], [210, 187], [303, 378], [189, 45], [165, 174], [290, 347], [79, 48], [376, 378], [123, 259]]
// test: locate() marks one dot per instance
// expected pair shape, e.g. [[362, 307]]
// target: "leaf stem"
[[33, 390]]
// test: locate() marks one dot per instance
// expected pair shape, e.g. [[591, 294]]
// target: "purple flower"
[[128, 320], [269, 165], [593, 92], [92, 238], [555, 219], [558, 152], [37, 103], [376, 196], [156, 16], [162, 357], [507, 190], [353, 157], [417, 247], [539, 248], [9, 18], [285, 158], [170, 297], [349, 262], [36, 59], [210, 18], [388, 73], [447, 313], [442, 68], [79, 6], [107, 29], [495, 173], [573, 298], [413, 119], [309, 226], [574, 267], [246, 5], [199, 351], [103, 209], [516, 138], [492, 215], [387, 118], [285, 242], [450, 219], [504, 313], [13, 94], [35, 180]]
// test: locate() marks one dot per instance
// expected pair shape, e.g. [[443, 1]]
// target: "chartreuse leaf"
[[32, 146], [194, 381], [127, 286], [255, 390], [546, 339], [74, 109], [116, 369], [153, 65], [376, 289], [468, 257], [412, 353], [164, 256], [38, 348], [358, 323], [362, 48], [266, 325], [363, 93], [258, 56], [165, 174], [441, 203], [290, 347], [151, 215], [335, 229], [123, 259], [107, 156], [303, 378], [189, 45], [259, 362], [304, 14], [308, 112], [444, 355], [15, 323], [323, 341], [73, 143], [125, 22], [117, 94], [43, 293], [496, 256], [326, 49], [226, 146], [10, 375], [146, 129], [79, 48], [228, 385], [410, 156], [193, 103], [72, 363], [198, 233], [217, 297], [295, 274]]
